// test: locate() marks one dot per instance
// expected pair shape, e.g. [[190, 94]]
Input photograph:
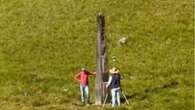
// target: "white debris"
[[65, 90], [123, 40]]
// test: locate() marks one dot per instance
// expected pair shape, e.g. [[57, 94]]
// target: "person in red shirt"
[[84, 89]]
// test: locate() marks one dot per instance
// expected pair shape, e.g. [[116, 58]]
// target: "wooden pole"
[[101, 75]]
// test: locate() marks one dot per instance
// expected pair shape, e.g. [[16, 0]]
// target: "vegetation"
[[43, 43]]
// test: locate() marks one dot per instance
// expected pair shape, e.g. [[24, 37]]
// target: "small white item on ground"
[[123, 40]]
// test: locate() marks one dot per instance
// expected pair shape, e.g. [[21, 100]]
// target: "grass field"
[[43, 43]]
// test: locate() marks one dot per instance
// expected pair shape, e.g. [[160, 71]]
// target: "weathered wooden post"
[[101, 75]]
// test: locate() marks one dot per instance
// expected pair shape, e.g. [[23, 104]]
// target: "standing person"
[[114, 84], [84, 89]]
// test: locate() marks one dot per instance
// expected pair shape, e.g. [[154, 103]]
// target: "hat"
[[83, 69], [114, 70]]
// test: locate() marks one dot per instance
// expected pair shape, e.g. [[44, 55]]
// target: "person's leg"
[[87, 93], [118, 97], [113, 97], [82, 93]]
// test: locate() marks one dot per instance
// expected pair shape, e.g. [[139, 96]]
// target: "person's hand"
[[94, 73], [77, 77]]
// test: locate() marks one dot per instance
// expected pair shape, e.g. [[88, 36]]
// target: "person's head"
[[83, 69], [114, 70]]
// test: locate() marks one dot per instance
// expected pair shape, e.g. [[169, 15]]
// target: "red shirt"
[[84, 77]]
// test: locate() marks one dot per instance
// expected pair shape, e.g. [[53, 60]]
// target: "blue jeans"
[[115, 96], [84, 93]]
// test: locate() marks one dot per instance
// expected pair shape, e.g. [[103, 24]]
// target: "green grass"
[[43, 43]]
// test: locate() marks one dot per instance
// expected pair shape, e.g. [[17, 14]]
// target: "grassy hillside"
[[43, 43]]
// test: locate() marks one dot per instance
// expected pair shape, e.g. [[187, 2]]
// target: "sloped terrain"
[[44, 43]]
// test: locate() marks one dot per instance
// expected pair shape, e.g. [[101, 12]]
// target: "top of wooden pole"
[[100, 14]]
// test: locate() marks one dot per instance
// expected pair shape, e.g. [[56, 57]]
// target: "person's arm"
[[94, 73], [109, 81], [77, 77]]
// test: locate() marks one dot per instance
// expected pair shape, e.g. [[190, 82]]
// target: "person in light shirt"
[[114, 84]]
